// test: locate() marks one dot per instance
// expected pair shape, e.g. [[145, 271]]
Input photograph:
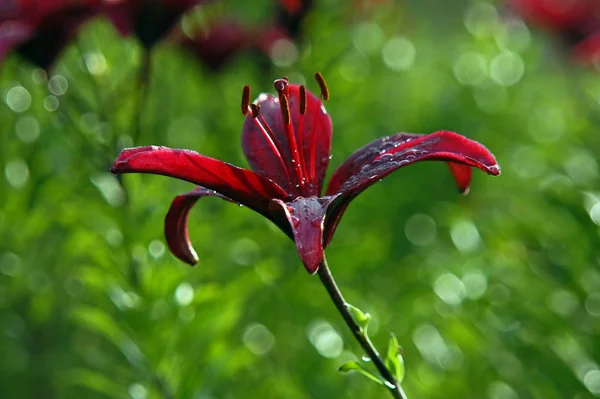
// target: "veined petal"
[[241, 185], [306, 218], [380, 158], [176, 229], [312, 131]]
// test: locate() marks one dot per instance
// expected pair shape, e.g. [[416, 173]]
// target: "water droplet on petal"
[[315, 222]]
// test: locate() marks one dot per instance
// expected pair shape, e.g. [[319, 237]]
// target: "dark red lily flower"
[[576, 22], [287, 140], [149, 20], [557, 15], [219, 42], [38, 30]]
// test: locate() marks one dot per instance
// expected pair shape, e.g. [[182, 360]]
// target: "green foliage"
[[493, 295], [394, 360], [361, 318], [351, 365]]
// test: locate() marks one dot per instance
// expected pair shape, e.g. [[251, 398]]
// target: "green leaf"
[[354, 365], [361, 318], [394, 360]]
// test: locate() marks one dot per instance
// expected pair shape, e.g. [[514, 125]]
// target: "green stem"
[[364, 341]]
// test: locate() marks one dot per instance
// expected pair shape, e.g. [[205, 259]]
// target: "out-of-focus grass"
[[493, 295]]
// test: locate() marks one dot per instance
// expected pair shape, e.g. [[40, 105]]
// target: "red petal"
[[314, 127], [176, 230], [587, 51], [12, 34], [241, 185], [556, 14], [462, 175], [381, 157], [306, 217]]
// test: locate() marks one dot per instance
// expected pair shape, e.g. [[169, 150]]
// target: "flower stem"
[[364, 341]]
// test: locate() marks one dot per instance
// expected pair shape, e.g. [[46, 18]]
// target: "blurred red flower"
[[577, 22]]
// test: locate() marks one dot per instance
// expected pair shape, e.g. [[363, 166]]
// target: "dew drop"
[[240, 205], [366, 358], [389, 385], [315, 222]]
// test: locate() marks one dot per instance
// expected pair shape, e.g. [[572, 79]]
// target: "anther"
[[302, 100], [280, 85], [285, 109], [322, 85], [285, 78], [254, 110], [245, 99]]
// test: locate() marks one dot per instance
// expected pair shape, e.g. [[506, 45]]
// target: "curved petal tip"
[[306, 217]]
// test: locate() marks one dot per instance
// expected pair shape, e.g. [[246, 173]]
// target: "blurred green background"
[[493, 295]]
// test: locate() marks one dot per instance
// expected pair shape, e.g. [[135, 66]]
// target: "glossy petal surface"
[[241, 185], [382, 157], [312, 132], [176, 229], [306, 217]]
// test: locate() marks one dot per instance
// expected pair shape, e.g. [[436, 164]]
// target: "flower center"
[[299, 172]]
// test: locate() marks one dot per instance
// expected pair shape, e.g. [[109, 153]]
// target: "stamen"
[[285, 109], [268, 135], [281, 85], [245, 99], [323, 85], [286, 79], [302, 100]]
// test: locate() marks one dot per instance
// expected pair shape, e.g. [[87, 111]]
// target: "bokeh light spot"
[[27, 129], [420, 229], [368, 37], [591, 380], [137, 391], [10, 264], [17, 173], [475, 284], [449, 288], [51, 103], [184, 294], [58, 85], [563, 302], [592, 304], [482, 20], [284, 53], [507, 68], [399, 54], [156, 249], [95, 63], [258, 339], [465, 235], [470, 68], [18, 99], [325, 339], [501, 390]]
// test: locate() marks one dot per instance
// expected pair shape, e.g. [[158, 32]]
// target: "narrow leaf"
[[354, 365], [394, 360], [361, 318]]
